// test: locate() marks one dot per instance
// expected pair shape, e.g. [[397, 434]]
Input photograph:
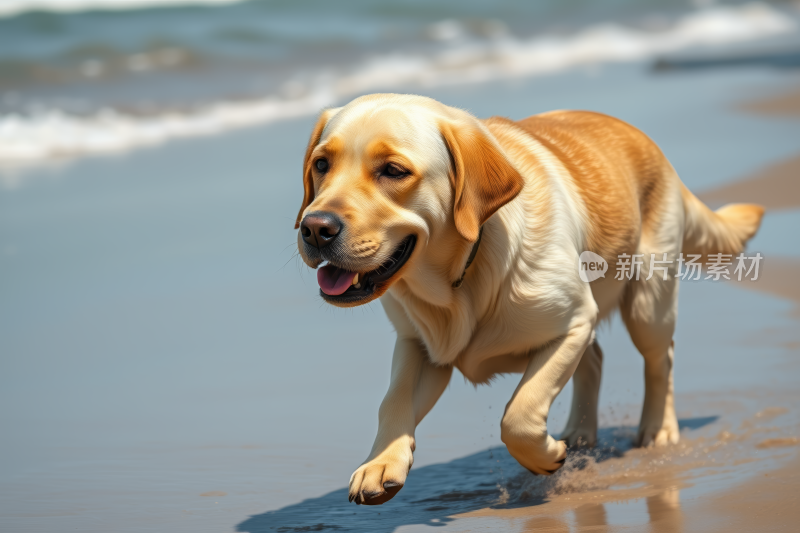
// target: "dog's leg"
[[659, 424], [415, 386], [581, 427], [649, 310], [524, 425]]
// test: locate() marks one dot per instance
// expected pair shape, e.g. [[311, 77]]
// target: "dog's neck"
[[445, 317], [435, 275]]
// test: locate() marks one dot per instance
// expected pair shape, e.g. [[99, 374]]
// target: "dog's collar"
[[457, 283]]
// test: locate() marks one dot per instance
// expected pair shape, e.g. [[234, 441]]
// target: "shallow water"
[[161, 346]]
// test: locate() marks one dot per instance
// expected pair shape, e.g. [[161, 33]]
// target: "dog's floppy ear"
[[483, 179], [308, 181]]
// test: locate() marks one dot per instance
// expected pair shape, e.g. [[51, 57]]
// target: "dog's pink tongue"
[[334, 280]]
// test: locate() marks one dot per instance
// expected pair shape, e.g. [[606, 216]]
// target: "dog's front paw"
[[380, 478], [543, 459]]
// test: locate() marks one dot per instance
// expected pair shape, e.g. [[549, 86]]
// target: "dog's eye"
[[322, 165], [394, 171]]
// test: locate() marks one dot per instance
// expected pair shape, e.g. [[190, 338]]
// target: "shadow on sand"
[[437, 492]]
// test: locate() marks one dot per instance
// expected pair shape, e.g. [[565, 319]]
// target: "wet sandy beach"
[[160, 374]]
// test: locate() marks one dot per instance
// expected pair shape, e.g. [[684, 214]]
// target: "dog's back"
[[630, 189]]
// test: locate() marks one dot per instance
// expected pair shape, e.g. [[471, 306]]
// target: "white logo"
[[591, 266]]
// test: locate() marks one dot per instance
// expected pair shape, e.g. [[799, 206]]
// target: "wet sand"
[[784, 104], [776, 187], [767, 503], [159, 372], [779, 278]]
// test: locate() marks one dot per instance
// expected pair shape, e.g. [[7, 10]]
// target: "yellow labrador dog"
[[470, 231]]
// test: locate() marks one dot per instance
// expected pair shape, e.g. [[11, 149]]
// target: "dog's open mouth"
[[338, 285]]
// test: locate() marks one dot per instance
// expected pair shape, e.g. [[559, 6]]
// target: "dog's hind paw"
[[580, 437], [650, 437]]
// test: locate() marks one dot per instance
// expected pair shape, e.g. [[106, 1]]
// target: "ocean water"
[[80, 77]]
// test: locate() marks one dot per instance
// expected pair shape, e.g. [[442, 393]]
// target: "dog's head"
[[388, 179]]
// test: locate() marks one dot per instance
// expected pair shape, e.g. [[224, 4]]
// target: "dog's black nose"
[[319, 229]]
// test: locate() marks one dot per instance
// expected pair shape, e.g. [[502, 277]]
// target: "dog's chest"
[[460, 336]]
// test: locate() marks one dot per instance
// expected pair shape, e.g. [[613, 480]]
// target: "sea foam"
[[12, 8]]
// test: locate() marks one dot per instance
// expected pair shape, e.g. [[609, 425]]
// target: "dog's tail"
[[724, 231]]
